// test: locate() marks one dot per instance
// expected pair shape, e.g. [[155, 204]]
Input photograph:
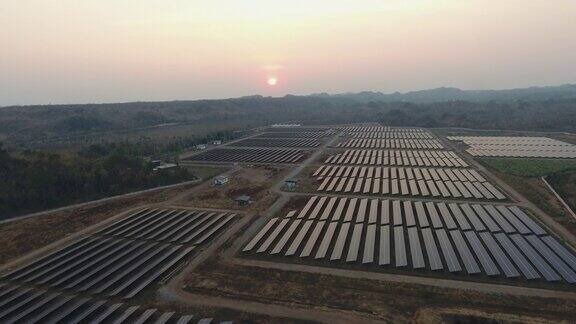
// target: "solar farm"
[[250, 155], [420, 144], [277, 142], [424, 158], [347, 203], [425, 182], [504, 146], [291, 135], [405, 203], [26, 305], [126, 257], [454, 238]]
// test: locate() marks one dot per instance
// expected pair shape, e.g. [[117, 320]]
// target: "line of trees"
[[33, 180]]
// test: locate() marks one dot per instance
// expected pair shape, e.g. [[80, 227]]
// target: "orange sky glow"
[[69, 51]]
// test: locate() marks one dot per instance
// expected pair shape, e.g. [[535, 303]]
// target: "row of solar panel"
[[444, 174], [126, 257], [399, 158], [478, 217], [403, 187], [277, 142], [254, 155], [169, 225], [419, 144], [525, 153], [393, 135], [292, 135], [27, 305], [510, 141], [382, 129], [515, 255]]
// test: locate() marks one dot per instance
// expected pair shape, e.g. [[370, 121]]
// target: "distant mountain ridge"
[[455, 94]]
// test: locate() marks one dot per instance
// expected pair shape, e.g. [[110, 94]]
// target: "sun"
[[272, 81]]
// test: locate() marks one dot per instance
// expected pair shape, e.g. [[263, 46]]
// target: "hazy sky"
[[75, 51]]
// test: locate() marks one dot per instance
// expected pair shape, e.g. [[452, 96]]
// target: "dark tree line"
[[33, 180]]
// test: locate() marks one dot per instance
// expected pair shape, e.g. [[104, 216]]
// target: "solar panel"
[[350, 210], [501, 258], [434, 217], [566, 255], [385, 212], [399, 247], [373, 218], [450, 224], [329, 208], [340, 242], [506, 227], [415, 248], [339, 209], [492, 226], [317, 208], [465, 253], [272, 236], [260, 234], [522, 229], [325, 244], [284, 239], [535, 258], [421, 214], [312, 239], [299, 237], [476, 223], [559, 265], [485, 260], [384, 255], [396, 212], [527, 270], [409, 214], [448, 251], [361, 214], [536, 229], [307, 207], [431, 250], [464, 225], [369, 245], [354, 243]]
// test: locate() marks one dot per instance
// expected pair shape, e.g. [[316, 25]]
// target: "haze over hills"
[[450, 94], [536, 108]]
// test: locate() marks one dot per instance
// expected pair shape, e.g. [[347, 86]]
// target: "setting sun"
[[272, 81]]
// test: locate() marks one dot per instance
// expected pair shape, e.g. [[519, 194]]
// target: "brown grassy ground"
[[253, 181], [393, 302], [23, 236]]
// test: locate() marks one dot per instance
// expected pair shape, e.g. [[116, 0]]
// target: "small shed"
[[290, 184], [165, 166], [201, 146], [217, 142], [221, 180], [243, 200]]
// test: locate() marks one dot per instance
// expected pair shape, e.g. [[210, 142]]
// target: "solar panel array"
[[372, 128], [391, 134], [255, 155], [277, 142], [504, 146], [296, 129], [419, 144], [292, 135], [126, 257], [27, 305], [398, 158], [425, 182], [470, 239]]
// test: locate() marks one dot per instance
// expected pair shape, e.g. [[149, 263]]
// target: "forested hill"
[[37, 123], [452, 94]]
